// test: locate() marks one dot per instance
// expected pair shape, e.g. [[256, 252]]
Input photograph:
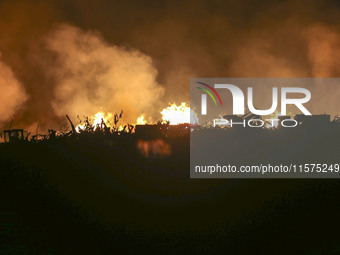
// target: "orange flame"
[[178, 114], [141, 120], [97, 121]]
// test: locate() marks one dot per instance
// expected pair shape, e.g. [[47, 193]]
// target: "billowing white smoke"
[[92, 75], [12, 94]]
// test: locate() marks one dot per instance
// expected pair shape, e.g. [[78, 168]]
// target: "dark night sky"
[[183, 39]]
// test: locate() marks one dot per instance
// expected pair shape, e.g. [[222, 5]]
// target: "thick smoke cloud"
[[69, 69], [324, 55], [324, 50], [91, 75], [12, 95]]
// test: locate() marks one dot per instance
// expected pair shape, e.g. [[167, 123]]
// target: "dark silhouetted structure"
[[15, 135]]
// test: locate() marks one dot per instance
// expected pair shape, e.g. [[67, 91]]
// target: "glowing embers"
[[157, 148]]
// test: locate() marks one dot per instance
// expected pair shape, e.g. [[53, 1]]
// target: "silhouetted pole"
[[73, 128]]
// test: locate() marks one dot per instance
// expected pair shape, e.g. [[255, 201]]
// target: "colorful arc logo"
[[209, 93]]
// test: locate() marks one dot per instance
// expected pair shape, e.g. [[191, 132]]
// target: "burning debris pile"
[[156, 140], [177, 120], [103, 123], [100, 124]]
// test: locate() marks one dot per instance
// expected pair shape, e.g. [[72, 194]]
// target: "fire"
[[179, 114], [96, 121], [141, 120], [174, 114], [99, 117]]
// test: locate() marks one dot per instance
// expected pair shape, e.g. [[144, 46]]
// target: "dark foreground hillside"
[[99, 196]]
